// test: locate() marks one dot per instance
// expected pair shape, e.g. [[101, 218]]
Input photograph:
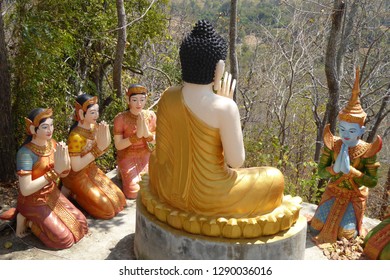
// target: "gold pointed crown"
[[353, 111]]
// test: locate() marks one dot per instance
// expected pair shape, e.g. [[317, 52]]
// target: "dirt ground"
[[8, 195]]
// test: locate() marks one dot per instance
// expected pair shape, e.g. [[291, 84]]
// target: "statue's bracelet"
[[51, 175], [96, 152], [134, 139]]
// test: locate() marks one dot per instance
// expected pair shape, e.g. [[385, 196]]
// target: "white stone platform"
[[157, 240]]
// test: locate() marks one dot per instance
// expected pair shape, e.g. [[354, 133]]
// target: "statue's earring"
[[127, 99], [32, 131], [81, 116], [362, 130]]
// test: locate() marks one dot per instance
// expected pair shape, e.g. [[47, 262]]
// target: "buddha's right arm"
[[28, 186], [231, 135], [121, 143], [78, 163]]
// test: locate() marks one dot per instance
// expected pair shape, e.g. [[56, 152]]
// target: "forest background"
[[294, 62]]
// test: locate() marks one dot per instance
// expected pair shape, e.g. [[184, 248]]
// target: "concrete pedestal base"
[[158, 241]]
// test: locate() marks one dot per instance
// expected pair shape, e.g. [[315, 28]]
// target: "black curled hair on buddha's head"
[[200, 52]]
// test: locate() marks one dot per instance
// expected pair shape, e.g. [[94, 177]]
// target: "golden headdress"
[[353, 112], [84, 106], [136, 89], [46, 113]]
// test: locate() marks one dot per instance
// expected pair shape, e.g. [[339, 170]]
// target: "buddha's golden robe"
[[188, 171]]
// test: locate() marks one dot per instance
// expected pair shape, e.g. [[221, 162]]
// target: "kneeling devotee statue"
[[89, 185], [351, 166], [133, 132], [41, 206], [194, 182]]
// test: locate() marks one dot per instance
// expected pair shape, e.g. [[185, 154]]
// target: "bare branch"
[[322, 12], [135, 20], [161, 71]]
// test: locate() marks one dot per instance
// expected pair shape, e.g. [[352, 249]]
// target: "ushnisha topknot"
[[199, 53]]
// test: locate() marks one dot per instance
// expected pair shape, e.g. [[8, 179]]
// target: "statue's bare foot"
[[21, 226]]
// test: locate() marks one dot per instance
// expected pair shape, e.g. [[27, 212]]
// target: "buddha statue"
[[133, 133], [88, 140], [41, 206], [351, 166], [195, 182]]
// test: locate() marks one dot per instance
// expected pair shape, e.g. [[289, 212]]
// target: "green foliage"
[[39, 68], [264, 13], [251, 13], [171, 67], [300, 180], [264, 150], [107, 162], [308, 184], [294, 157], [62, 48]]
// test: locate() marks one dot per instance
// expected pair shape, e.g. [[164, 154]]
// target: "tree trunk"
[[7, 143], [339, 37], [232, 43], [332, 64], [385, 208], [120, 48], [320, 135], [380, 116]]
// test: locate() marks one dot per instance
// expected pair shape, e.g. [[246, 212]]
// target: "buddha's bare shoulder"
[[225, 104]]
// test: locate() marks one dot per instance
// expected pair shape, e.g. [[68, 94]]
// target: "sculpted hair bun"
[[199, 53]]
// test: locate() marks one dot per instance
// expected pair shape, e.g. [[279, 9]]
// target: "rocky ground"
[[344, 249]]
